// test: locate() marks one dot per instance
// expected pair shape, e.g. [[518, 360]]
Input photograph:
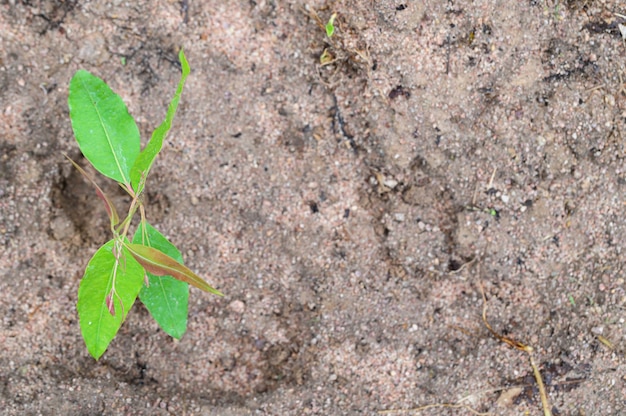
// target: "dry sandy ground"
[[349, 211]]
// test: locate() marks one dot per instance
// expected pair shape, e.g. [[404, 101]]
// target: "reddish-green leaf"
[[160, 264], [110, 304], [108, 205], [165, 297]]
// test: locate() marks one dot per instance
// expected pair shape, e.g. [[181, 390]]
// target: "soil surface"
[[349, 195]]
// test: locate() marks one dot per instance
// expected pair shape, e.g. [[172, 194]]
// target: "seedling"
[[330, 26], [146, 265]]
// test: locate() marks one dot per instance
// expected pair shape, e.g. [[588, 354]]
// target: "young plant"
[[145, 264], [330, 26]]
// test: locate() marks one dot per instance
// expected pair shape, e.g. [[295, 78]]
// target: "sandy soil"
[[349, 211]]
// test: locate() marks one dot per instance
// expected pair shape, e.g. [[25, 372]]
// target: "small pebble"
[[237, 306], [390, 183]]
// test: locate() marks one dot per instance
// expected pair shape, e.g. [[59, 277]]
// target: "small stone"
[[398, 216], [194, 200], [62, 228], [93, 49], [390, 183], [237, 306], [610, 100], [228, 362]]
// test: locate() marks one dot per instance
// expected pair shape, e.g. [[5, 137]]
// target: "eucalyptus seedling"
[[145, 264], [330, 26]]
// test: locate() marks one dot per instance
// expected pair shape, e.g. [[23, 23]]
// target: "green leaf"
[[97, 323], [144, 162], [106, 134], [166, 298], [330, 26], [161, 264]]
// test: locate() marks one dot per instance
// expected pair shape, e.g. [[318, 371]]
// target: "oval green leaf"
[[166, 298], [97, 324], [106, 133]]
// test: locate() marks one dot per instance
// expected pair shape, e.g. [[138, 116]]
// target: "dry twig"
[[527, 349]]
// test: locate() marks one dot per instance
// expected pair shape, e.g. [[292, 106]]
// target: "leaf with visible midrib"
[[146, 157], [106, 133], [97, 324], [160, 264], [166, 298]]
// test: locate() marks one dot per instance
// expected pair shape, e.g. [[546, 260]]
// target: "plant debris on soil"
[[348, 194]]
